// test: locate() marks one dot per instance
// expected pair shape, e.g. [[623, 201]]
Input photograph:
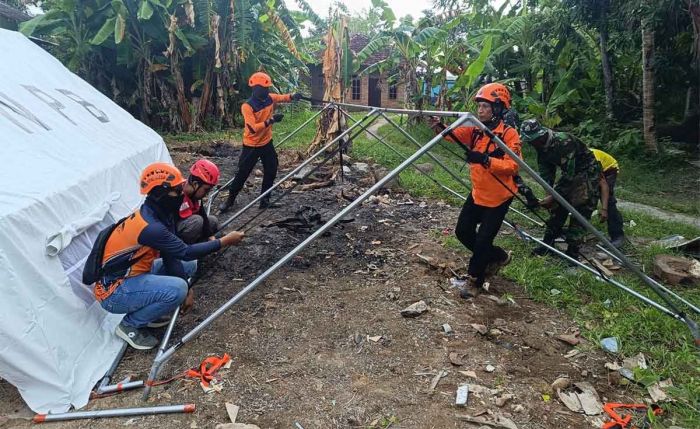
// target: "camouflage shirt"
[[580, 172]]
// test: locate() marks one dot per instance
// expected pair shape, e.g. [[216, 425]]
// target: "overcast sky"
[[400, 7]]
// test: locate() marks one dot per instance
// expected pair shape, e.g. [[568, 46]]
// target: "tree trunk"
[[648, 114], [605, 63]]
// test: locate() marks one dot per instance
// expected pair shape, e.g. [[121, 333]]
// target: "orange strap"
[[208, 368], [621, 422]]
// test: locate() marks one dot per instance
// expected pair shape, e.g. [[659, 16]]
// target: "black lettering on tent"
[[20, 110], [94, 111], [49, 100]]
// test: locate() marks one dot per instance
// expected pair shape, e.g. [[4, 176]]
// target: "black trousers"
[[615, 221], [246, 162], [480, 240]]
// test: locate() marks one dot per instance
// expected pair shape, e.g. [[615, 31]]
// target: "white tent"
[[70, 159]]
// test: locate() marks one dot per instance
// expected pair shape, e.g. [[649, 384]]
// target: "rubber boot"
[[226, 205]]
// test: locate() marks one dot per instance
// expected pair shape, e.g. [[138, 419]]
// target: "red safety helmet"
[[260, 78], [205, 170], [160, 174], [493, 93]]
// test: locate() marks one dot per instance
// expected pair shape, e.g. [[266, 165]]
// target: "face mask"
[[171, 204], [260, 92]]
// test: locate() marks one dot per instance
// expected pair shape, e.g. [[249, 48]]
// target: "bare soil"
[[322, 342]]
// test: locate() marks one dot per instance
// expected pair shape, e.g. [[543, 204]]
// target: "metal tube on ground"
[[120, 387], [286, 258], [107, 378], [692, 325], [216, 192], [597, 274], [659, 285], [301, 166], [117, 412]]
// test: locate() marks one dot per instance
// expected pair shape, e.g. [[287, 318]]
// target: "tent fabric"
[[71, 159]]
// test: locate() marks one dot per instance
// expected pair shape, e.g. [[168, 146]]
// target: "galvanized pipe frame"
[[372, 116], [216, 192], [614, 282], [393, 149], [529, 237], [164, 357]]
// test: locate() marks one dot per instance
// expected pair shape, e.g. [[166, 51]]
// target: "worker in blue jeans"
[[143, 266]]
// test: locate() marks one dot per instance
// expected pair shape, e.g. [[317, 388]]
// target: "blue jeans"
[[146, 297]]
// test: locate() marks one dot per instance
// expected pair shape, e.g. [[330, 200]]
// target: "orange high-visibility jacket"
[[255, 113], [486, 190]]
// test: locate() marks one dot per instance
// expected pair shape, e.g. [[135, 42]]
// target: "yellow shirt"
[[606, 160]]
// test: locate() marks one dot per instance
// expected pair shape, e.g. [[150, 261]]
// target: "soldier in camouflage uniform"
[[579, 182]]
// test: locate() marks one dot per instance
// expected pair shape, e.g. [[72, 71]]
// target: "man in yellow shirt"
[[610, 169]]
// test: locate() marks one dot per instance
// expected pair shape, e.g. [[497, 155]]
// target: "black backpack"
[[93, 270]]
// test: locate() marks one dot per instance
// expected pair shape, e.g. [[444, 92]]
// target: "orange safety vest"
[[486, 190], [123, 244]]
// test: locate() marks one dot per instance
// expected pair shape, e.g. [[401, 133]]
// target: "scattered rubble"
[[677, 270], [657, 390], [582, 398]]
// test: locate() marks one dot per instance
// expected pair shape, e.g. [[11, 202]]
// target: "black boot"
[[542, 250], [226, 205]]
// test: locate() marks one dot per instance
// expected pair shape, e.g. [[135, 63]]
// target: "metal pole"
[[161, 348], [118, 412], [301, 166], [442, 113], [120, 387], [694, 329], [596, 273], [257, 281], [447, 169], [108, 375], [284, 140], [659, 285], [403, 157], [299, 128]]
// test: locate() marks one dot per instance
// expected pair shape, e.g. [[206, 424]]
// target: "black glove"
[[476, 157], [277, 117], [498, 153], [530, 197], [296, 96]]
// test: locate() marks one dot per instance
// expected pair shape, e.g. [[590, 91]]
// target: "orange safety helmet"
[[160, 174], [260, 78], [493, 93], [205, 170]]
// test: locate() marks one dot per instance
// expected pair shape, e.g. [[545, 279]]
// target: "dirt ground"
[[322, 343]]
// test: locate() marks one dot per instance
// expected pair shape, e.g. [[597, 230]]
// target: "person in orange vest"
[[144, 267], [611, 169], [193, 224], [258, 115], [493, 185]]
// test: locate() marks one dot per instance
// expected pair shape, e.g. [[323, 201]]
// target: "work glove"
[[297, 96], [476, 157], [530, 197], [277, 117]]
